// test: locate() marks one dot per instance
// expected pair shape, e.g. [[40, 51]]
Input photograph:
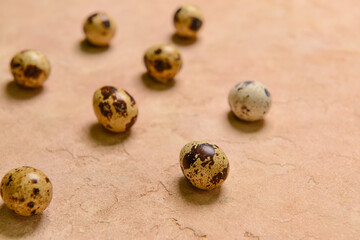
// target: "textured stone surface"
[[293, 176]]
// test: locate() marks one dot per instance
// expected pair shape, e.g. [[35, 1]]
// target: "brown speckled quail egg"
[[204, 164], [188, 20], [26, 190], [163, 62], [249, 100], [99, 28], [115, 108], [30, 68]]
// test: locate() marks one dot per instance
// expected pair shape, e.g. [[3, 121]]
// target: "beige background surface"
[[293, 176]]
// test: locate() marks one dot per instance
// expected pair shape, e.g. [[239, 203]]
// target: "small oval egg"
[[26, 190], [30, 68], [163, 62], [188, 20], [115, 108], [249, 100], [204, 164], [99, 28]]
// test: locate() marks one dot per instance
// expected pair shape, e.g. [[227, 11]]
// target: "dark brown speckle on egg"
[[106, 23], [10, 180], [120, 107], [131, 123], [15, 64], [105, 109], [220, 176], [36, 191], [176, 16], [266, 92], [90, 18], [195, 24], [203, 152], [30, 204], [132, 100], [108, 91], [161, 66], [32, 71]]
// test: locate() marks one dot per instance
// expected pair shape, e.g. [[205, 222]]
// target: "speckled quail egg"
[[26, 190], [188, 20], [163, 62], [115, 108], [30, 68], [204, 164], [99, 28], [249, 100]]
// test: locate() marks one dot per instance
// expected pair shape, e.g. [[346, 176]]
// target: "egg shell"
[[204, 164], [163, 62], [26, 190], [30, 68], [99, 28], [115, 108], [188, 20], [249, 100]]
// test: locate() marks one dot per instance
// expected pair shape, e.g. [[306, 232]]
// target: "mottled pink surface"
[[293, 176]]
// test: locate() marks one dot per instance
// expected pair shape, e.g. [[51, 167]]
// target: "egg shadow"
[[183, 41], [245, 126], [13, 225], [87, 47], [104, 137], [152, 84], [197, 196], [18, 92]]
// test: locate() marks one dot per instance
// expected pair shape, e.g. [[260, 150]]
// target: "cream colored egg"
[[163, 62], [249, 100], [115, 108], [204, 164], [99, 28], [188, 20], [30, 68], [26, 190]]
